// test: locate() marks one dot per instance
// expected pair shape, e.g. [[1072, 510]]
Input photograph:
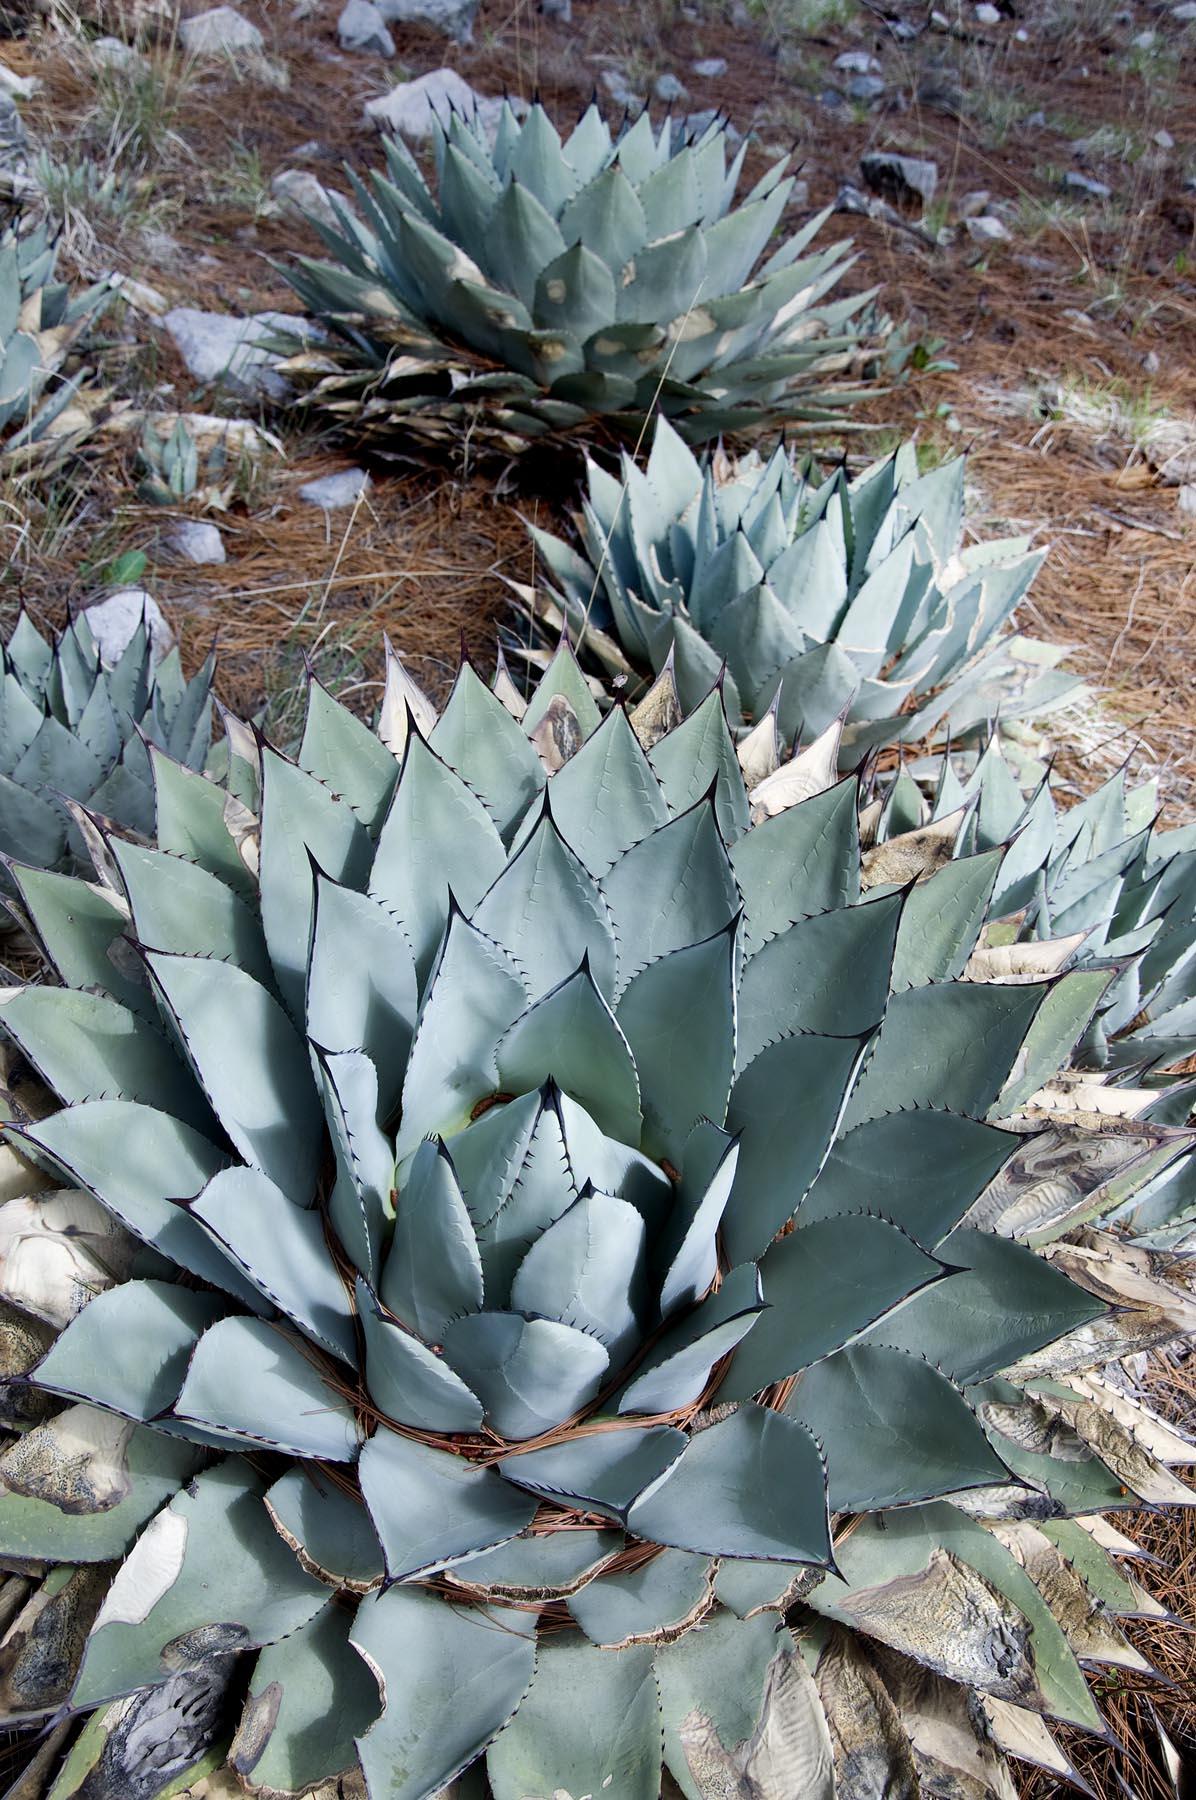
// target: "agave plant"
[[75, 733], [545, 284], [1100, 871], [814, 598], [40, 321], [518, 1283]]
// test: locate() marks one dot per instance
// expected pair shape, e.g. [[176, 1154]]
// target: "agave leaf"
[[547, 910], [431, 1508], [361, 985], [612, 1742], [651, 1604], [677, 1368], [310, 1697], [610, 762], [1069, 1004], [719, 1498], [178, 906], [893, 1429], [951, 1748], [538, 1566], [407, 1381], [253, 1383], [574, 292], [81, 1485], [563, 679], [530, 1374], [302, 821], [437, 841], [346, 757], [689, 1249], [572, 1036], [749, 1588], [942, 920], [328, 1530], [949, 1046], [933, 1585], [360, 1202], [475, 996], [822, 1284], [282, 1250], [477, 737], [1091, 1634], [191, 823], [741, 1712], [420, 1649], [257, 1077], [672, 889], [135, 1161], [678, 1016], [917, 1168], [608, 1471], [829, 973], [86, 1046], [1005, 1302], [433, 1271], [129, 1348], [1044, 1452], [33, 831], [213, 1547], [803, 861], [781, 1149], [587, 1270], [873, 1756]]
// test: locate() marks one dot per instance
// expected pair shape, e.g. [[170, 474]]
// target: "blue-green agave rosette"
[[498, 1299]]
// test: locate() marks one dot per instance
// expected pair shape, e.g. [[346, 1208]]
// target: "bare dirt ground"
[[1074, 337]]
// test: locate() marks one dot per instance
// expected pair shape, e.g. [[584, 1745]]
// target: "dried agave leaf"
[[1090, 1632], [948, 1733], [659, 712], [1068, 1172], [810, 772], [873, 1756], [914, 855], [1015, 963]]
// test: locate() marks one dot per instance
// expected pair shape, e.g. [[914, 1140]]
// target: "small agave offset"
[[546, 284], [514, 1286], [820, 598], [75, 733], [40, 321]]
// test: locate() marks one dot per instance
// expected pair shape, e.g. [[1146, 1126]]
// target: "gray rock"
[[1163, 140], [361, 27], [830, 99], [558, 9], [218, 347], [1086, 185], [711, 67], [1145, 40], [1186, 13], [857, 62], [901, 178], [114, 620], [668, 89], [986, 230], [301, 192], [1186, 500], [413, 107], [194, 541], [453, 17], [342, 488], [987, 15], [615, 83], [220, 32], [13, 141], [973, 204], [865, 87], [114, 53]]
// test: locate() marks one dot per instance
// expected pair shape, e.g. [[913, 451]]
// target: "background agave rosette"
[[40, 322], [73, 732], [544, 285], [817, 598], [529, 1201]]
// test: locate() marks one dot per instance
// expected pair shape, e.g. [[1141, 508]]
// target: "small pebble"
[[987, 15], [711, 67]]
